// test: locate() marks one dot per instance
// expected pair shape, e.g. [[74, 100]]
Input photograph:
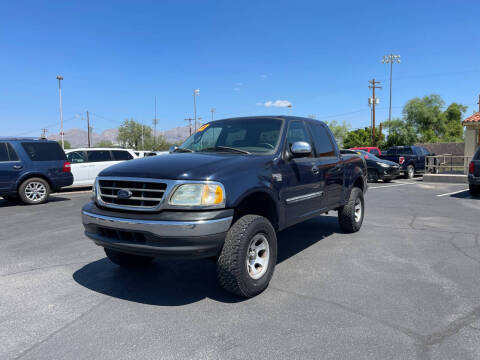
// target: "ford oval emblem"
[[124, 194]]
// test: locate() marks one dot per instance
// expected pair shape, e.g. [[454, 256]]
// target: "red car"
[[371, 149]]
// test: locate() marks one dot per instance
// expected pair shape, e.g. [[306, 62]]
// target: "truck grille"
[[144, 194]]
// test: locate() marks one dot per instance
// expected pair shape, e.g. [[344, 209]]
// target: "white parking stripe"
[[386, 186], [453, 193]]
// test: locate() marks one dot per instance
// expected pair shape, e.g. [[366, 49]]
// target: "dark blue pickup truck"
[[410, 158], [223, 194]]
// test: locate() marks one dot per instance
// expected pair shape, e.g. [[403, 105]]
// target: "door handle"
[[315, 170], [17, 167]]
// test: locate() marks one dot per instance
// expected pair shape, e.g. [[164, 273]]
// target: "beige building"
[[472, 133]]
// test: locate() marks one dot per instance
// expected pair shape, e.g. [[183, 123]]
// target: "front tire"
[[350, 216], [248, 256], [34, 191], [127, 260], [410, 172], [474, 190]]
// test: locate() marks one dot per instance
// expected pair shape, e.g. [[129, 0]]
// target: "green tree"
[[130, 134], [104, 144], [66, 144], [362, 137], [400, 133], [339, 131], [432, 124]]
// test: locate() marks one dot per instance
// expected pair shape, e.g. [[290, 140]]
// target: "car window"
[[98, 155], [297, 132], [374, 152], [425, 151], [119, 155], [323, 144], [43, 151], [12, 153], [3, 152], [392, 151], [477, 155], [406, 151], [76, 157]]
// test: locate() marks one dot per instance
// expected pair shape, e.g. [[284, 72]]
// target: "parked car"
[[31, 168], [223, 194], [86, 163], [370, 149], [377, 168], [410, 158], [474, 174]]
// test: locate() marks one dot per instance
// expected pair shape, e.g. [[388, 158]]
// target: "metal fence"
[[447, 164]]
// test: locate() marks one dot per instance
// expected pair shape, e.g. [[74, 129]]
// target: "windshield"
[[257, 136]]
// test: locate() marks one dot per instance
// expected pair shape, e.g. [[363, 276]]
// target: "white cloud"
[[276, 103], [264, 76]]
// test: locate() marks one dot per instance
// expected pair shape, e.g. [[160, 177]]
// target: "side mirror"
[[301, 149], [172, 149]]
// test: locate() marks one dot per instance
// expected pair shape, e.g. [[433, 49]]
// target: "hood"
[[188, 166], [388, 162]]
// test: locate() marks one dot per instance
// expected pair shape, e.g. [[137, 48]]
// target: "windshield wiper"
[[182, 150], [226, 148]]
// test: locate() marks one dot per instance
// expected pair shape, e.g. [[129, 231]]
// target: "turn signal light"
[[401, 160]]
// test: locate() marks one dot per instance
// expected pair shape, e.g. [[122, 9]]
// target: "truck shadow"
[[181, 282]]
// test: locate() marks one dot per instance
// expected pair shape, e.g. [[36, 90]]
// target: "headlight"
[[198, 195], [383, 164]]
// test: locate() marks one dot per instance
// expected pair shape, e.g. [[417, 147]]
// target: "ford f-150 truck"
[[223, 194], [410, 158]]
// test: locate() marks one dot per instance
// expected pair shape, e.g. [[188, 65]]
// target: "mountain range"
[[78, 137]]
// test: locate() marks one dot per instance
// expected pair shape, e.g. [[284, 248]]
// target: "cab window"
[[3, 152], [297, 132], [120, 155], [374, 152], [323, 144]]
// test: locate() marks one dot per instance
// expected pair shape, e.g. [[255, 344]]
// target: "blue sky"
[[117, 56]]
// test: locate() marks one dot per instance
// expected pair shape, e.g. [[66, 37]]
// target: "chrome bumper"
[[160, 228]]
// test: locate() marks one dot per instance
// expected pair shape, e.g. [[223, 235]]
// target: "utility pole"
[[189, 124], [195, 93], [213, 110], [60, 78], [88, 129], [478, 103], [44, 133], [373, 86], [390, 59], [155, 122]]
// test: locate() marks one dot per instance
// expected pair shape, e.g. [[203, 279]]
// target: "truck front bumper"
[[171, 234]]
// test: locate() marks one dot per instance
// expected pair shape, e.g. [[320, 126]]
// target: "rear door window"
[[43, 151], [477, 155], [119, 155], [323, 144], [374, 152], [392, 151], [99, 155], [405, 151], [12, 153], [3, 152]]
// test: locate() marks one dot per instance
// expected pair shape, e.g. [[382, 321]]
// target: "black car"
[[223, 194], [410, 158], [377, 168], [474, 174]]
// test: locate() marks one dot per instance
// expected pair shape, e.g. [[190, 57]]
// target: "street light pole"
[[390, 59], [195, 93], [60, 78], [213, 111]]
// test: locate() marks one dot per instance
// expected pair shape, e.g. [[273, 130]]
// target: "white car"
[[143, 153], [86, 163]]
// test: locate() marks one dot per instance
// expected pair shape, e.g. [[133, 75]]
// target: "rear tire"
[[387, 180], [474, 190], [350, 216], [373, 177], [248, 256], [127, 260], [34, 191], [410, 173]]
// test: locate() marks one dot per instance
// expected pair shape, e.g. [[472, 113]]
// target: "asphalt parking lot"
[[406, 286]]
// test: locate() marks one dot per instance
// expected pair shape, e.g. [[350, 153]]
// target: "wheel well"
[[35, 176], [259, 203], [359, 183]]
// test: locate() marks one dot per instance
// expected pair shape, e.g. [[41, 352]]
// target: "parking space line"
[[453, 193], [386, 186]]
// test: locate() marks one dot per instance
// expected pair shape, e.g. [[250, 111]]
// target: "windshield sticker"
[[203, 127]]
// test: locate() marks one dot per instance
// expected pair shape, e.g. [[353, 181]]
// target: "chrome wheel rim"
[[410, 172], [358, 210], [35, 191], [258, 256]]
